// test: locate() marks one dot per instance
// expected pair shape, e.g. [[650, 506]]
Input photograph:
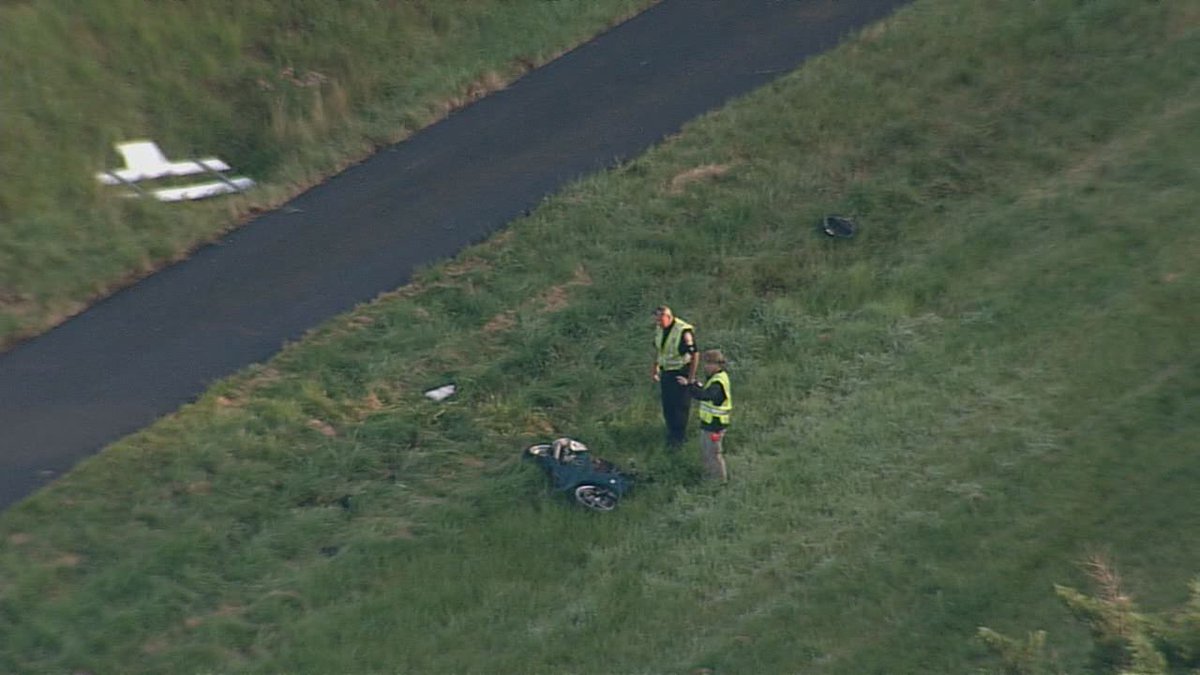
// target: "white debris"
[[441, 393], [144, 161]]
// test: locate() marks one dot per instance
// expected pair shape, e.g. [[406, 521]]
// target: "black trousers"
[[676, 405]]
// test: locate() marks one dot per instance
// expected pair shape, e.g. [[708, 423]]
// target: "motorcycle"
[[593, 483]]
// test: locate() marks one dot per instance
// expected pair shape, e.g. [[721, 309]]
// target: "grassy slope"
[[936, 421], [286, 92]]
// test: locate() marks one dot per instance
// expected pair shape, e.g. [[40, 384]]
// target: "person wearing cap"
[[716, 410], [674, 359]]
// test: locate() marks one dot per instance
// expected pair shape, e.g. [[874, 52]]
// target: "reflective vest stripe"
[[710, 411], [669, 357]]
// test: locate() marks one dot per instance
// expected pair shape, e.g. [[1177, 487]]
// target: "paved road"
[[154, 346]]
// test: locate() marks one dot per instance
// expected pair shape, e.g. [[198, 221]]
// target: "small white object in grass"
[[441, 393]]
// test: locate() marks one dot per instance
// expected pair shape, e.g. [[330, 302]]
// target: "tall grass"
[[937, 420], [287, 92]]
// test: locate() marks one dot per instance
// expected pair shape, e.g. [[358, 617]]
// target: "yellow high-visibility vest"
[[710, 411], [669, 357]]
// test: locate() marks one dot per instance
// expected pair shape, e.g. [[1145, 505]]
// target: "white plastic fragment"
[[202, 190], [441, 393], [144, 161]]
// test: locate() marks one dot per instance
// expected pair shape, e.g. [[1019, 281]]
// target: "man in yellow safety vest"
[[674, 358], [716, 411]]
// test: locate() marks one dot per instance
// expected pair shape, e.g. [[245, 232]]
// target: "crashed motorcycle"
[[591, 482]]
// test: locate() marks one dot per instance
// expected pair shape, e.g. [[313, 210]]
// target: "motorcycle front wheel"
[[596, 497]]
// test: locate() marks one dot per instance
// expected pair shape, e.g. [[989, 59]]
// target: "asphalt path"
[[154, 346]]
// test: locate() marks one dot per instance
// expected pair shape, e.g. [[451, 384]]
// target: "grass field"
[[286, 92], [937, 421]]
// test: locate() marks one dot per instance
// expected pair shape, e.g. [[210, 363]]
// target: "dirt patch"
[[156, 646], [19, 538], [379, 398], [539, 424], [473, 462], [500, 323], [310, 78], [698, 174], [323, 428], [17, 304], [236, 398], [388, 527], [497, 241], [555, 297], [466, 266], [263, 377], [68, 560], [199, 487], [372, 403]]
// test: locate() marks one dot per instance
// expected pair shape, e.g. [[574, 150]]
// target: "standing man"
[[716, 410], [675, 359]]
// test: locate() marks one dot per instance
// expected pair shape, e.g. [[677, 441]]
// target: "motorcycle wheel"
[[596, 497]]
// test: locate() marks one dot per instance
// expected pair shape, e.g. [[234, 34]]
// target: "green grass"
[[996, 380], [286, 92]]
